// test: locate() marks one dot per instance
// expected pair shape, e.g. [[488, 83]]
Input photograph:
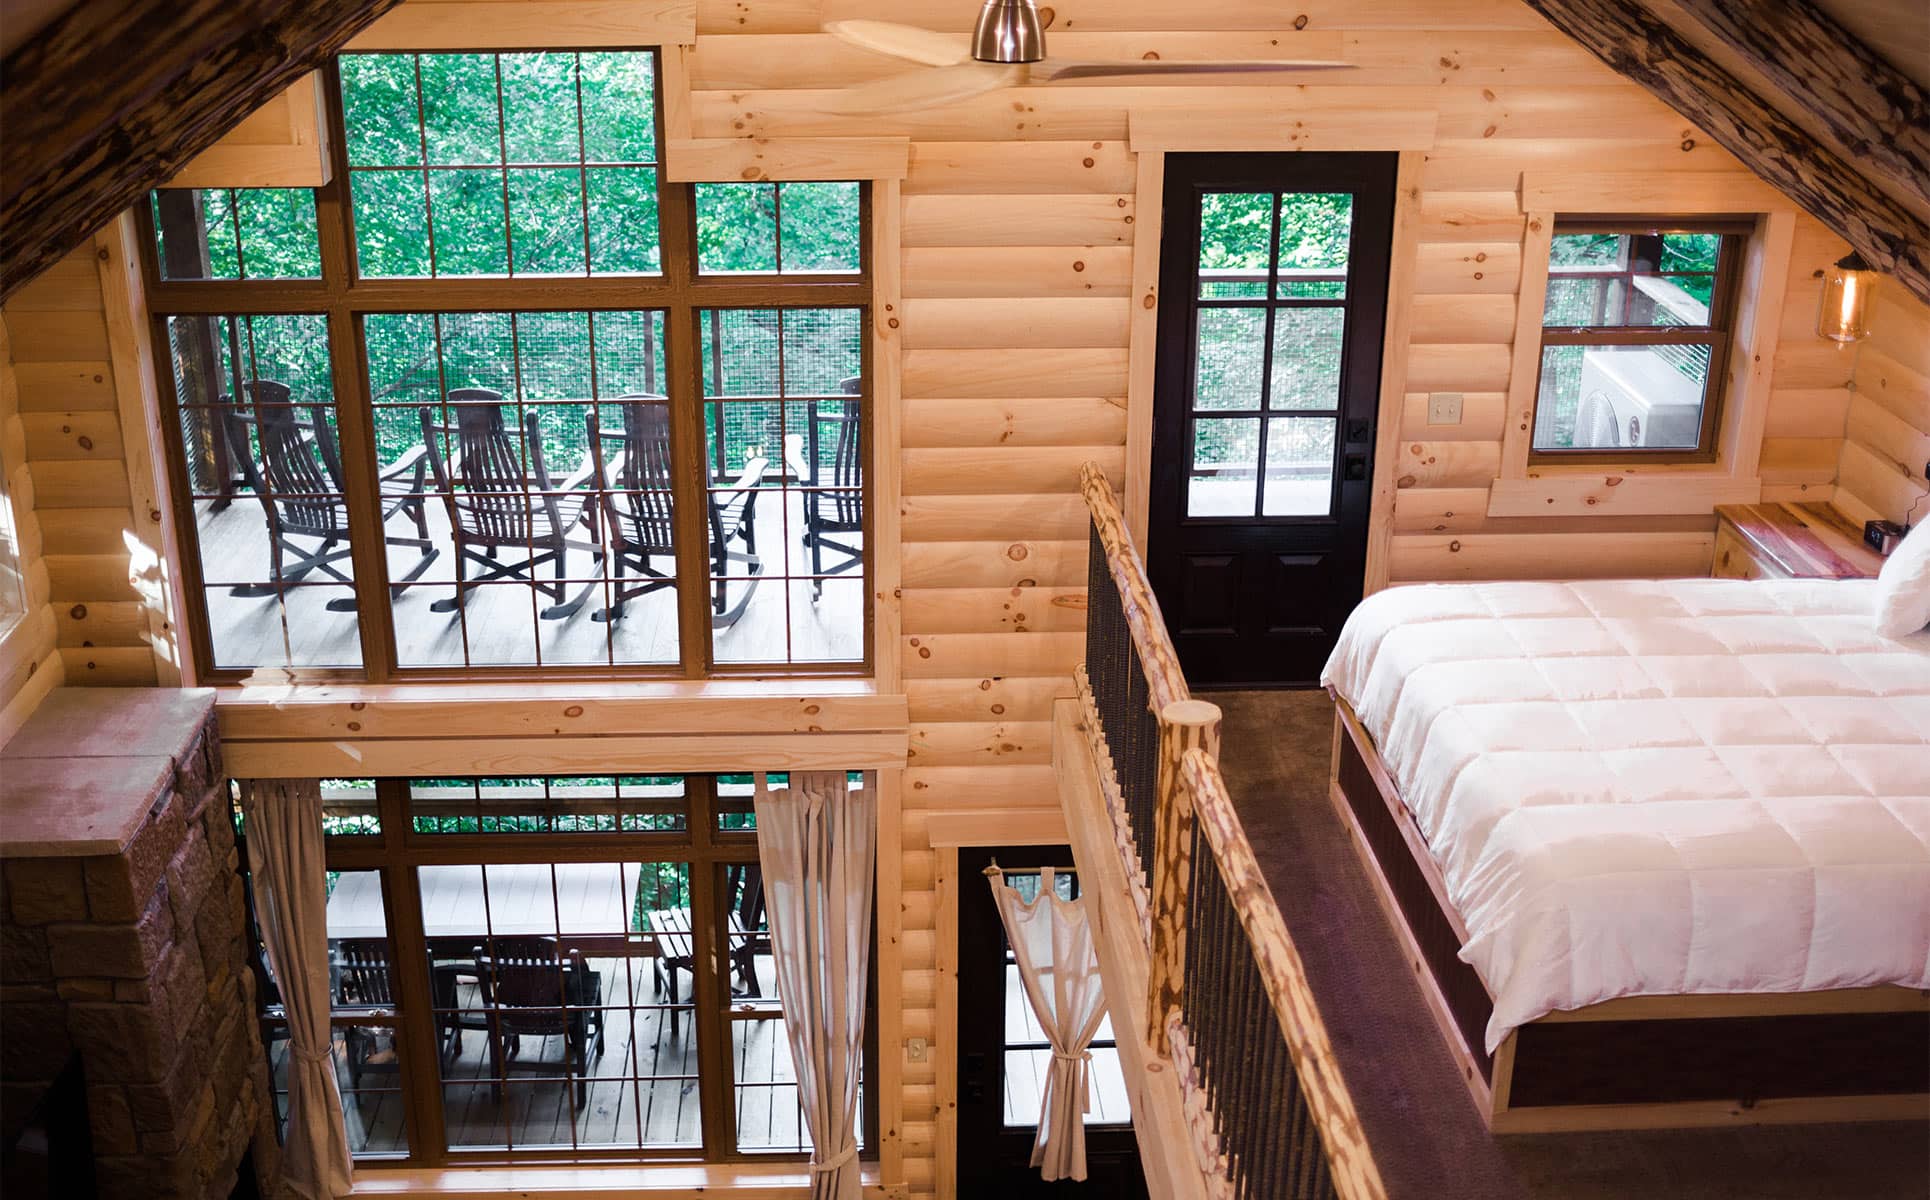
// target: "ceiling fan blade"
[[903, 41], [1059, 70], [925, 89]]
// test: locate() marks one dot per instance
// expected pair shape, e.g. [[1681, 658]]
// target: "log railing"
[[1226, 996]]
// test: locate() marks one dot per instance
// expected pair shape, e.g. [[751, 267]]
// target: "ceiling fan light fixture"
[[1008, 31]]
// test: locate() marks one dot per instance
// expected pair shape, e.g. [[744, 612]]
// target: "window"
[[500, 399], [13, 589], [1635, 338], [517, 964]]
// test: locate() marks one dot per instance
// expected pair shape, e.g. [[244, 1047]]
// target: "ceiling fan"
[[1006, 48]]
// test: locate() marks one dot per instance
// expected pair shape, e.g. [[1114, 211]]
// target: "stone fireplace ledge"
[[81, 777]]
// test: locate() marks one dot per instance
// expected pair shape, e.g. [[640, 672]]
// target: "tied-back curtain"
[[1052, 941], [816, 841], [283, 823]]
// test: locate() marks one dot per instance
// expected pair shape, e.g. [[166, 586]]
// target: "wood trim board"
[[741, 160], [1271, 129], [1403, 256], [1611, 1049], [532, 24]]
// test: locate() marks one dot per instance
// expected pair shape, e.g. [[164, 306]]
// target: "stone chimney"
[[123, 941]]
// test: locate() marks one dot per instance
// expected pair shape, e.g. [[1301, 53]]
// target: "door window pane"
[[1300, 467], [1308, 345], [1236, 244], [1226, 461], [1231, 358], [1316, 229]]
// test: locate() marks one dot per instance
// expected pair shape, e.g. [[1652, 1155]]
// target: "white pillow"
[[1903, 586]]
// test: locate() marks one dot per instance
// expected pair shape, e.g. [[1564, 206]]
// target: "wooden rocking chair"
[[361, 969], [634, 488], [501, 508], [833, 512], [299, 484]]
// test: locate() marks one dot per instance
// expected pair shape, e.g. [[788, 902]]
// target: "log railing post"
[[1183, 725]]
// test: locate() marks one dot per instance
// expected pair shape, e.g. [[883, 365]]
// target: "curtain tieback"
[[301, 1054], [1084, 1056], [835, 1162]]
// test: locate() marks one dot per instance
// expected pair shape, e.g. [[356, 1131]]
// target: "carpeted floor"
[[1428, 1139]]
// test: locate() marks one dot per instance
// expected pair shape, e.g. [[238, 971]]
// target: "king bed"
[[1659, 851]]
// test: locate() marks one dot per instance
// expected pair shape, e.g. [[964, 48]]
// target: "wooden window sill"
[[1625, 491], [526, 728], [744, 1181]]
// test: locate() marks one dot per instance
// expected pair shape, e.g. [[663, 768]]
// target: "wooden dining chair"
[[363, 979], [526, 991], [298, 481], [499, 509], [835, 460], [633, 485]]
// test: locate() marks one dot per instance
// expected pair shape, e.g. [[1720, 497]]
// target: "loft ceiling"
[[111, 97], [1823, 98]]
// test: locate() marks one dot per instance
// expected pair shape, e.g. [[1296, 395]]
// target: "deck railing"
[[1226, 997]]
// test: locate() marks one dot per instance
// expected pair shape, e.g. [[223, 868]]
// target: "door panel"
[[1273, 273]]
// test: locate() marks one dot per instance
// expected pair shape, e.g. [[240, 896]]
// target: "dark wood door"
[[1003, 1055], [1273, 299]]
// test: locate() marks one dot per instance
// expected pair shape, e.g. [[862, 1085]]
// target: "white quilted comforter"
[[1656, 788]]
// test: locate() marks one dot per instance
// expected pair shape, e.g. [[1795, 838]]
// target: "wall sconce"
[[1846, 301]]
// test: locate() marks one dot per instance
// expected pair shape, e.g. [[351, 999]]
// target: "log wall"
[[68, 477], [1880, 472]]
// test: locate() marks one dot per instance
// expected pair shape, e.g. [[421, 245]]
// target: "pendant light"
[[1846, 300], [1008, 31]]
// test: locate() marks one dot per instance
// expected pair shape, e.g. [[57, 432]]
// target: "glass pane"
[[1226, 466], [462, 125], [768, 1113], [1231, 358], [278, 239], [349, 808], [1315, 231], [1236, 244], [468, 211], [820, 226], [1606, 397], [822, 352], [1300, 467], [736, 227], [271, 527], [1307, 348], [380, 110], [546, 220], [539, 108], [623, 221], [253, 233], [1609, 279], [619, 107], [391, 223], [487, 417]]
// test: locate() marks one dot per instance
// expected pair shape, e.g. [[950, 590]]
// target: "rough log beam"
[[115, 96], [1873, 112], [1635, 44]]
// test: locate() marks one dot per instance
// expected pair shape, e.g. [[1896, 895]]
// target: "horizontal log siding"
[[62, 446]]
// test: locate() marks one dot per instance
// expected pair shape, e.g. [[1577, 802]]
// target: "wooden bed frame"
[[1857, 1054]]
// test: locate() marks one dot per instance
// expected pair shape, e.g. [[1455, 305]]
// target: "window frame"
[[701, 847], [680, 291], [1718, 335]]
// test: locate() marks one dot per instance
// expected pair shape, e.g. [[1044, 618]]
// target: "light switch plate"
[[1444, 408], [915, 1049]]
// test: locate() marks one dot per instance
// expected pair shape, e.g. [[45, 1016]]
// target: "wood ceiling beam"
[[1643, 49], [1872, 111], [113, 97]]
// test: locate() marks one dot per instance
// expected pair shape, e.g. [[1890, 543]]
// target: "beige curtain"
[[283, 823], [816, 841], [1052, 942]]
